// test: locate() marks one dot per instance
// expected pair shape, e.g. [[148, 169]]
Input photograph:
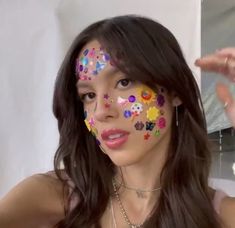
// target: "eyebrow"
[[85, 84]]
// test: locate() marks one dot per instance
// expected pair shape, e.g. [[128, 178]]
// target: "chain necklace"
[[123, 211], [139, 192]]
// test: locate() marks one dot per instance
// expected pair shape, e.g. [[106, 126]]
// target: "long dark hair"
[[147, 52]]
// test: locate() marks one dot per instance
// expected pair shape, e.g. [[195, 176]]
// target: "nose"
[[106, 109]]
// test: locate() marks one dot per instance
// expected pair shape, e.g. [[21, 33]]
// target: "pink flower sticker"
[[161, 122]]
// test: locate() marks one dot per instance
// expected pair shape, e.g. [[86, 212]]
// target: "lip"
[[114, 143]]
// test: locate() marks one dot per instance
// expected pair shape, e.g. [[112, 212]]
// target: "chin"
[[121, 159]]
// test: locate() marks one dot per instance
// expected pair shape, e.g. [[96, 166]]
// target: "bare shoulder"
[[227, 211], [37, 201]]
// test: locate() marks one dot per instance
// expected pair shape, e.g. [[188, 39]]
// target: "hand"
[[222, 61]]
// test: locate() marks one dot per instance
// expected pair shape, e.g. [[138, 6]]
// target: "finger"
[[224, 94], [229, 52], [212, 63]]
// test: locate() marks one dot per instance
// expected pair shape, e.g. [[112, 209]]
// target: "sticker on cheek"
[[85, 114], [153, 113], [146, 136], [98, 142], [157, 133], [136, 109], [139, 126], [122, 101], [161, 123], [127, 114], [150, 125], [92, 122], [160, 100], [94, 131], [146, 95], [131, 99], [87, 124]]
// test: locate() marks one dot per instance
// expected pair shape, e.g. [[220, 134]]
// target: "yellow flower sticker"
[[146, 95], [87, 124], [153, 113]]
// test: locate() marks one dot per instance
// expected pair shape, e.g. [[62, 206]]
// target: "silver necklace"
[[123, 211], [140, 192], [114, 223]]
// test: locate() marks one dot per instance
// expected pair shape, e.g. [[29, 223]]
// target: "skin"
[[135, 160], [222, 62], [38, 201]]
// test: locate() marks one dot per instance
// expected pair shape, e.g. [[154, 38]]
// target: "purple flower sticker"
[[131, 98], [160, 100]]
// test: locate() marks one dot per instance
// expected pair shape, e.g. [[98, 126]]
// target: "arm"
[[223, 62], [227, 212], [35, 202]]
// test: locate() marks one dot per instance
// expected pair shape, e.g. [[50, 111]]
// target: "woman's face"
[[129, 120]]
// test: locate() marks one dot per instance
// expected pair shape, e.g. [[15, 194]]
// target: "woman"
[[133, 139]]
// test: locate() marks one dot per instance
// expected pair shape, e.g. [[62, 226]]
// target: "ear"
[[176, 101]]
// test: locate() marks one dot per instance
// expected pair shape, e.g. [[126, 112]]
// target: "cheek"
[[145, 111], [90, 122]]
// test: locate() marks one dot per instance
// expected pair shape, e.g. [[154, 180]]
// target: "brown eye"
[[87, 97], [124, 83]]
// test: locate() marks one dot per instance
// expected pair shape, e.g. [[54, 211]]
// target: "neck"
[[143, 176]]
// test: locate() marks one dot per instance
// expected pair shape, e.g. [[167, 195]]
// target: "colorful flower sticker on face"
[[161, 122], [146, 136], [122, 101], [160, 100], [136, 109], [127, 114], [139, 126], [106, 96], [146, 95], [92, 122], [87, 125], [153, 113], [131, 99], [150, 125], [157, 133], [94, 131]]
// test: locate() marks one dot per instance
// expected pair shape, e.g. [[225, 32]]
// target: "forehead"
[[90, 45]]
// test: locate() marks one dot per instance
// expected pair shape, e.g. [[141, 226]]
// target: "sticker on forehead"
[[92, 62], [153, 113], [146, 95]]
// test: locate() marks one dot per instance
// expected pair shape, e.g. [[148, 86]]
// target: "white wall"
[[34, 36]]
